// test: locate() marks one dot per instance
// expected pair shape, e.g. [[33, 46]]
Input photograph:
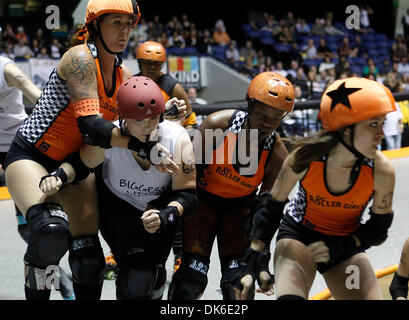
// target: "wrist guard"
[[142, 149], [169, 218], [267, 219], [59, 173]]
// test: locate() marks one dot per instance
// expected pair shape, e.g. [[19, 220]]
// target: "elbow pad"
[[188, 199], [96, 131], [81, 170], [375, 231], [267, 219]]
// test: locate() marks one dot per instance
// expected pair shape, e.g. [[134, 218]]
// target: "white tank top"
[[12, 112], [125, 178]]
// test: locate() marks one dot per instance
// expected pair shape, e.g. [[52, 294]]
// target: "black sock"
[[84, 292], [32, 294]]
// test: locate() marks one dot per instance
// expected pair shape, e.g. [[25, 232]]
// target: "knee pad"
[[49, 237], [398, 286], [160, 282], [230, 268], [190, 280], [135, 284], [87, 260]]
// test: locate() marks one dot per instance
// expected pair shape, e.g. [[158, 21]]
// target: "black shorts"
[[121, 226], [21, 149], [290, 229]]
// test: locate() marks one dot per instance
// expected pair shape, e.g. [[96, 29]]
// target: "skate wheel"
[[110, 275]]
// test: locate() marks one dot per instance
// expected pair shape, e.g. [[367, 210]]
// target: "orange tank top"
[[52, 127], [221, 177], [315, 207]]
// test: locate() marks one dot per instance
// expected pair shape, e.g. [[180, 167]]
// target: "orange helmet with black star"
[[352, 100], [272, 89], [97, 8], [151, 50]]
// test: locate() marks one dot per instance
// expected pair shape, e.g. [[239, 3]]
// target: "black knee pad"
[[87, 260], [398, 286], [135, 284], [160, 282], [49, 237], [190, 280]]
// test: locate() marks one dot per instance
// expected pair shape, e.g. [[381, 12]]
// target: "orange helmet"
[[96, 8], [352, 100], [272, 89], [151, 50]]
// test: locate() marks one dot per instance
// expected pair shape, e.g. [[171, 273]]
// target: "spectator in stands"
[[280, 69], [278, 28], [163, 40], [318, 28], [292, 71], [56, 48], [176, 40], [267, 65], [21, 34], [270, 24], [41, 37], [302, 27], [344, 48], [185, 21], [364, 12], [301, 80], [43, 54], [290, 21], [391, 82], [385, 68], [286, 35], [294, 53], [193, 98], [370, 68], [331, 30], [323, 49], [398, 50], [8, 52], [310, 50], [358, 49], [220, 36], [326, 64], [331, 75], [393, 128], [35, 47], [403, 66], [232, 53], [192, 39], [405, 82], [249, 68], [247, 50], [139, 33], [205, 42], [173, 25], [21, 50], [9, 36]]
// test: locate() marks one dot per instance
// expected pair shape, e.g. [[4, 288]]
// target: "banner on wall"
[[186, 70], [40, 70]]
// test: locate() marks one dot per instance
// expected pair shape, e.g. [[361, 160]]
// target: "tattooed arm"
[[77, 67], [384, 184]]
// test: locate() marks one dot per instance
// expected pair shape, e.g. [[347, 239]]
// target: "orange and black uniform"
[[51, 132], [225, 197], [316, 213]]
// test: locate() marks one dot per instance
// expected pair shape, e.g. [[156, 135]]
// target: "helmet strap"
[[355, 170]]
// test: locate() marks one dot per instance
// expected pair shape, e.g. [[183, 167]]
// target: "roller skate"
[[111, 268]]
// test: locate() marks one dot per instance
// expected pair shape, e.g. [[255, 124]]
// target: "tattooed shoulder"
[[386, 201], [79, 71]]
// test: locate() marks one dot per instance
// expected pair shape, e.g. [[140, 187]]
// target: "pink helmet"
[[139, 98]]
